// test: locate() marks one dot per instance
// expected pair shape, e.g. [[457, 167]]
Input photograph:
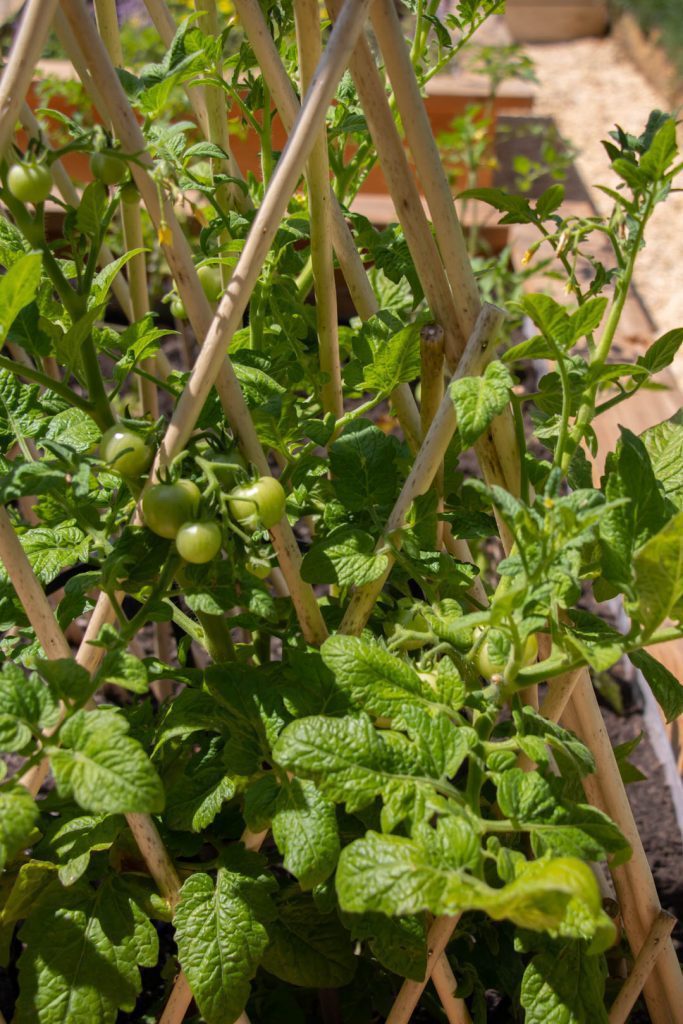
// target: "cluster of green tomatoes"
[[171, 508], [31, 181]]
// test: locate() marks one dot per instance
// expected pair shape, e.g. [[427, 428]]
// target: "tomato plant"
[[292, 746]]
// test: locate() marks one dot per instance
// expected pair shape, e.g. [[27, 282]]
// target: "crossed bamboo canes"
[[609, 787]]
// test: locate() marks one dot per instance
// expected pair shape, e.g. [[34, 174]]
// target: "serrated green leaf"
[[346, 557], [305, 830], [71, 842], [308, 948], [658, 566], [103, 768], [18, 813], [123, 669], [74, 429], [102, 281], [362, 462], [478, 400], [18, 288], [535, 805], [399, 943], [194, 799], [26, 707], [221, 940], [392, 875], [664, 444], [667, 689], [68, 679], [564, 986], [397, 360], [81, 955], [90, 213], [51, 549]]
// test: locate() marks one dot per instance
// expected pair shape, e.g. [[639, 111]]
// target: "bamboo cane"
[[446, 985], [108, 26], [437, 939], [645, 961], [54, 643], [180, 261], [431, 394], [23, 57], [633, 881], [309, 44], [427, 461], [449, 235], [355, 275]]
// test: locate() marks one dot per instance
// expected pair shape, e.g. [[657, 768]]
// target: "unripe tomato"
[[125, 451], [259, 504], [108, 169], [257, 568], [178, 308], [210, 280], [129, 194], [491, 658], [166, 507], [199, 542], [414, 620], [228, 467], [29, 182]]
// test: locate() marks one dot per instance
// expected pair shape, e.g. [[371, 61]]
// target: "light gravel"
[[588, 86]]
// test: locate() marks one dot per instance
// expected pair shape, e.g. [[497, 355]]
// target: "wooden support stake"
[[633, 881], [55, 645], [24, 54], [437, 939], [309, 43], [446, 985], [427, 461], [355, 275], [431, 395], [645, 961]]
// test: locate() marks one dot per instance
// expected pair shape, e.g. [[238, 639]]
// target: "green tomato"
[[125, 451], [178, 308], [199, 542], [228, 467], [129, 194], [210, 280], [108, 169], [166, 507], [491, 658], [29, 182], [257, 568], [410, 618], [259, 504]]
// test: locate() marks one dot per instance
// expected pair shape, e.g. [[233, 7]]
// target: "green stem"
[[36, 377]]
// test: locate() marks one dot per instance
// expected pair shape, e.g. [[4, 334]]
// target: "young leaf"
[[26, 706], [18, 813], [564, 986], [667, 690], [197, 796], [346, 557], [72, 841], [662, 352], [221, 939], [478, 400], [306, 833], [104, 769], [18, 288], [396, 876], [658, 566], [362, 462], [308, 948], [664, 444], [81, 954]]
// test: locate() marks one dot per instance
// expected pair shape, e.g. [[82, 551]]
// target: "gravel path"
[[588, 86]]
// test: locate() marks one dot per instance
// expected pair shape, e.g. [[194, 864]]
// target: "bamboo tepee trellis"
[[469, 330]]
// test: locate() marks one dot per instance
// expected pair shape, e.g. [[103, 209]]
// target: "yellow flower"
[[164, 235]]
